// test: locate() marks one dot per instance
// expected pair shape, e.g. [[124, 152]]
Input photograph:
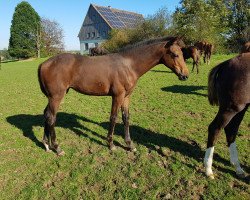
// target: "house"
[[100, 20]]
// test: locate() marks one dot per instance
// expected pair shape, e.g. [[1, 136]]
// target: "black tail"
[[40, 81], [212, 88]]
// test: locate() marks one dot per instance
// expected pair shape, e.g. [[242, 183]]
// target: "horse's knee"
[[50, 119], [125, 117], [113, 118]]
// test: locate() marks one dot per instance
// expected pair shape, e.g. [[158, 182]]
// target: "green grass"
[[169, 120]]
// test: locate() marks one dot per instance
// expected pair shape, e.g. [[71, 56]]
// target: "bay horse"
[[206, 48], [228, 87], [110, 75], [97, 51], [192, 52], [246, 48]]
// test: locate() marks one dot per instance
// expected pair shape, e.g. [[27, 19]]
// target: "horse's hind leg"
[[46, 136], [50, 120], [231, 131], [221, 120], [125, 119]]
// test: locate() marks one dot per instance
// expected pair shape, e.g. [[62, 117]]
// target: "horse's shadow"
[[185, 89], [140, 135]]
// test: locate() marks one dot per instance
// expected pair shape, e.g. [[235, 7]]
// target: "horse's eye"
[[174, 55]]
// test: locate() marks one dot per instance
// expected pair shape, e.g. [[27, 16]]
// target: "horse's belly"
[[97, 88]]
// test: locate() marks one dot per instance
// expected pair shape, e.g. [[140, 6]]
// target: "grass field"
[[169, 120]]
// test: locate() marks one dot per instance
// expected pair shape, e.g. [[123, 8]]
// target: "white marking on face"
[[208, 160], [234, 158]]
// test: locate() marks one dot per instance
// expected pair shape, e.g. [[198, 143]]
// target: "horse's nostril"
[[183, 78]]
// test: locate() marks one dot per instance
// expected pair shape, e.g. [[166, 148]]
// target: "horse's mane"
[[151, 41]]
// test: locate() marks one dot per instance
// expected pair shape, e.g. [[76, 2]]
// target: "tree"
[[198, 20], [153, 26], [239, 23], [23, 32], [51, 37]]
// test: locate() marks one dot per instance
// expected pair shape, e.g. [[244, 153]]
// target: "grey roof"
[[118, 18]]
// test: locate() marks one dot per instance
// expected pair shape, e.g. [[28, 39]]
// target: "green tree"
[[153, 26], [239, 22], [198, 20], [24, 32]]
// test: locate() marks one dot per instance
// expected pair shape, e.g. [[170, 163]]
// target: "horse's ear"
[[171, 42], [175, 40]]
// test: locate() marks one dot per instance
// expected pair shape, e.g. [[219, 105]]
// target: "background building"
[[100, 20]]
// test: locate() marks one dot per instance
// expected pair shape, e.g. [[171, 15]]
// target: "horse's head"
[[173, 58]]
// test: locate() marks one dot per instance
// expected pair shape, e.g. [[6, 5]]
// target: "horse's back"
[[234, 79]]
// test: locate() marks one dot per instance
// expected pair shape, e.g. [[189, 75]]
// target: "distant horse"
[[98, 51], [111, 75], [207, 53], [192, 52], [205, 48], [228, 87], [246, 48]]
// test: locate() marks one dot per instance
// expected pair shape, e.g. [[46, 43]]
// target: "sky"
[[71, 13]]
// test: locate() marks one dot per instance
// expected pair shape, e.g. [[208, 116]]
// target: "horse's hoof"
[[241, 175], [48, 150], [112, 148], [61, 153], [211, 176], [132, 149]]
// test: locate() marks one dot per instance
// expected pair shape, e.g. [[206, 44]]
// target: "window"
[[86, 46], [88, 35], [93, 34], [104, 33]]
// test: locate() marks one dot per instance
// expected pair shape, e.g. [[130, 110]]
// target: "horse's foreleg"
[[221, 120], [193, 66], [125, 119], [231, 131], [116, 104]]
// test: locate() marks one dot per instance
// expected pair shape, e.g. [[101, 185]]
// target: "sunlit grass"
[[169, 120]]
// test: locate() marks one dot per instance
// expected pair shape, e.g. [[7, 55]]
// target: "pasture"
[[168, 125]]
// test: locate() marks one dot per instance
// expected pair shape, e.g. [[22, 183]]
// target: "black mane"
[[148, 42]]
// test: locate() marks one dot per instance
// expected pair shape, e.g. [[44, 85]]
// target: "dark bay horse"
[[194, 53], [228, 87], [206, 48], [109, 75], [98, 51], [246, 48]]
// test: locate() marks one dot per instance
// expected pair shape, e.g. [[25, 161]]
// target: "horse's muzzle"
[[183, 78]]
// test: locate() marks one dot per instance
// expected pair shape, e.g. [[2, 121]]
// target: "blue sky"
[[70, 14]]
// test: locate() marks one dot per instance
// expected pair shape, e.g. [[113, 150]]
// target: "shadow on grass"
[[64, 120], [185, 89], [139, 135], [161, 71]]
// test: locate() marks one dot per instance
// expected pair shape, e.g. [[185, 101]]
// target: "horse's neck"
[[145, 59]]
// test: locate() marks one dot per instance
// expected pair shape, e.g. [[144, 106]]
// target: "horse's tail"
[[41, 82], [212, 86]]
